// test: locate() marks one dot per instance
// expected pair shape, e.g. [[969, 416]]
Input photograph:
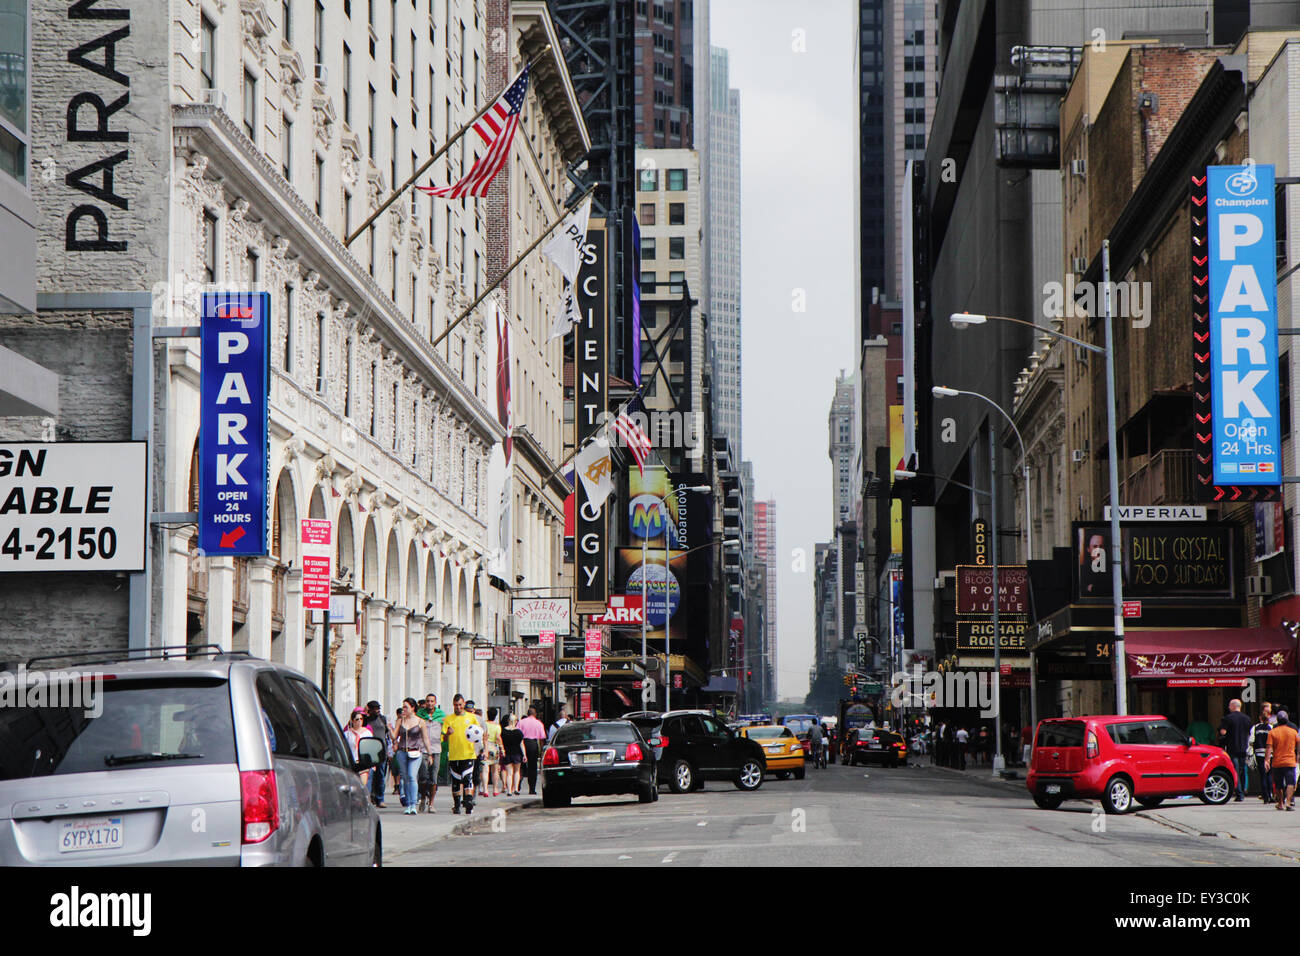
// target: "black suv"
[[695, 746]]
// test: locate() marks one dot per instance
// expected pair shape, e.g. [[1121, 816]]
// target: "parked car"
[[695, 746], [781, 748], [871, 745], [1119, 760], [588, 758], [246, 746]]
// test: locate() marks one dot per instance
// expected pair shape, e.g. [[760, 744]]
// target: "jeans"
[[532, 750], [377, 779], [1239, 765], [409, 766], [1265, 779]]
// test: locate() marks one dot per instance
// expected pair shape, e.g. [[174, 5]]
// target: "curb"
[[981, 777], [466, 827], [1289, 852]]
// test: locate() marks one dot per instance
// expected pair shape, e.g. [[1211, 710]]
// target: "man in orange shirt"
[[1280, 755]]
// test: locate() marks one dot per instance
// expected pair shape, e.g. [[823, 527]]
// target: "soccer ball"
[[475, 733]]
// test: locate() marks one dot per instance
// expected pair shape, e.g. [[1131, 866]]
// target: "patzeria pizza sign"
[[534, 615]]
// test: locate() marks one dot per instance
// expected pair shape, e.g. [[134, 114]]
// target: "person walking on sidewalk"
[[491, 754], [962, 738], [534, 735], [459, 747], [512, 756], [378, 725], [1234, 737], [355, 731], [432, 715], [1259, 745], [410, 745], [1280, 757]]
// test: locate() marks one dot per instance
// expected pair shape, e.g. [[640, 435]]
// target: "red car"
[[1119, 760]]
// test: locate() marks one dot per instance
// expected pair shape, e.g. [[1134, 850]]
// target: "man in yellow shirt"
[[460, 753]]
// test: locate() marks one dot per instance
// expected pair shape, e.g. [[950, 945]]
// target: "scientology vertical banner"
[[1246, 437]]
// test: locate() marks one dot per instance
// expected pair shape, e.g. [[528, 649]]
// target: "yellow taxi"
[[784, 752]]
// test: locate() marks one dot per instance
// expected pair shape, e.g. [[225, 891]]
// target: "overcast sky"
[[798, 129]]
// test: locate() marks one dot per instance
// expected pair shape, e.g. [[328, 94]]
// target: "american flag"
[[496, 128], [634, 439]]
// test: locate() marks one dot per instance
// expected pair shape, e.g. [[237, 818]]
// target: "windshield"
[[595, 733], [800, 725], [142, 723], [769, 732]]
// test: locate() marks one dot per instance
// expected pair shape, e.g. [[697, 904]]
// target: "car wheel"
[[1218, 788], [1045, 802], [683, 778], [1118, 795], [552, 799], [1150, 803], [647, 793], [377, 854], [783, 775], [800, 773], [751, 775]]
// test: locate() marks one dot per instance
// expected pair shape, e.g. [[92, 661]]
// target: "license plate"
[[773, 750], [591, 758], [873, 746], [91, 833], [1052, 788]]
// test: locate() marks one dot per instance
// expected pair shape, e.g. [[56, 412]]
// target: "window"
[[320, 353], [676, 180], [324, 740], [1163, 733], [649, 180], [395, 416], [676, 282], [347, 84], [250, 106], [677, 247], [1128, 734], [677, 214], [207, 53], [320, 185], [281, 720], [251, 267], [392, 163], [209, 247], [647, 216], [648, 248], [374, 395], [287, 364], [286, 150], [648, 283], [286, 20], [318, 35], [370, 123], [347, 213], [347, 380]]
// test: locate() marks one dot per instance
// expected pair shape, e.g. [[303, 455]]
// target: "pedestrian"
[[984, 747], [1280, 758], [394, 768], [1267, 715], [378, 725], [432, 715], [1234, 737], [1259, 745], [561, 718], [356, 730], [459, 747], [512, 755], [815, 744], [534, 734], [491, 753], [963, 738], [1027, 744], [410, 744], [938, 753]]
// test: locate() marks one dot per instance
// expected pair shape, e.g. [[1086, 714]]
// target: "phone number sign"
[[72, 506]]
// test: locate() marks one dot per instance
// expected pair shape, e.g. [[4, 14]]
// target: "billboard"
[[1163, 563], [896, 448], [235, 377], [591, 404], [1235, 334]]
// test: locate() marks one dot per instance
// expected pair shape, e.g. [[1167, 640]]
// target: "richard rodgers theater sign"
[[1176, 562]]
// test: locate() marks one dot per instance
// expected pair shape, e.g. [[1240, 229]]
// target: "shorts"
[[1284, 776], [508, 759], [462, 773]]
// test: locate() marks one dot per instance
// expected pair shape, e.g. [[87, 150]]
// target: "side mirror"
[[370, 753], [1191, 742]]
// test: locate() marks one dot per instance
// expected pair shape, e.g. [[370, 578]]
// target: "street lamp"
[[941, 391], [961, 320]]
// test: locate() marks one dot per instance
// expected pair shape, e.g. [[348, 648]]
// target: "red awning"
[[1227, 652]]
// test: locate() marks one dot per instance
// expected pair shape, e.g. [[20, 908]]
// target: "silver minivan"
[[213, 758]]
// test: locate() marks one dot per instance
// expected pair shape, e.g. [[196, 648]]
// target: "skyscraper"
[[872, 154], [765, 557], [724, 246]]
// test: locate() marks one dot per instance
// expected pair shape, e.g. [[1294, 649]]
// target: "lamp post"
[[962, 320]]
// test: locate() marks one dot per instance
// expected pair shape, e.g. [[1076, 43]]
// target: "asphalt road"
[[910, 816]]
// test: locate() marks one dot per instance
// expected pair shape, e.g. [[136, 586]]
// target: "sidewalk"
[[1249, 821], [403, 832]]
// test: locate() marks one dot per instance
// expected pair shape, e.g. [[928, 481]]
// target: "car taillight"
[[633, 752], [663, 741], [260, 800], [551, 757], [1093, 748]]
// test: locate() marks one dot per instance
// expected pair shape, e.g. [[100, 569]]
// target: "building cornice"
[[235, 160]]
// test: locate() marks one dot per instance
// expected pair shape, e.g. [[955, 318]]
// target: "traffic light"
[[749, 675]]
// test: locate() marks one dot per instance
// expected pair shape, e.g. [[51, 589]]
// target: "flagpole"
[[511, 268], [433, 159]]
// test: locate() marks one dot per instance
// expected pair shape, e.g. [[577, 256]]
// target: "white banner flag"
[[594, 467], [569, 316], [565, 247]]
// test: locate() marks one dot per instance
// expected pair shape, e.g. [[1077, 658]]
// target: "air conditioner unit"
[[1079, 167], [215, 98], [1259, 585], [1076, 455], [1080, 263], [322, 74]]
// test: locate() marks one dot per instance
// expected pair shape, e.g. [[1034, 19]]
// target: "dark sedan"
[[589, 758], [868, 745]]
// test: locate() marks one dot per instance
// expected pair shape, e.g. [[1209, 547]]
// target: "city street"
[[912, 816]]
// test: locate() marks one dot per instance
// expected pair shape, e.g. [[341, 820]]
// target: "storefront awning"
[[1218, 653]]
